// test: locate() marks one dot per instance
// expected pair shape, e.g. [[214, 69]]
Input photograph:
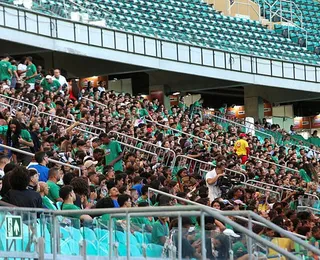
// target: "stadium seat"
[[198, 24], [154, 250]]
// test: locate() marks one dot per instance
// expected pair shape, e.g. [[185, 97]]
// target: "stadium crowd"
[[136, 150]]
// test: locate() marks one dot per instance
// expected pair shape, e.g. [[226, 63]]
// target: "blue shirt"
[[42, 170], [116, 204], [138, 188]]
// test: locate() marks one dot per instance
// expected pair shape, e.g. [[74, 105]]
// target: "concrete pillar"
[[254, 105]]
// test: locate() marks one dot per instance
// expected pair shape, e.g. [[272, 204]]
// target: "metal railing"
[[122, 41], [190, 202], [95, 102], [20, 104], [248, 129], [49, 159], [5, 105], [68, 122], [273, 163], [264, 190], [200, 140], [282, 189], [166, 155], [56, 219]]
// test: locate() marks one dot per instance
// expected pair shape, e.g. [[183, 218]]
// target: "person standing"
[[241, 147], [15, 76], [31, 73], [113, 152], [5, 68], [212, 180], [62, 80]]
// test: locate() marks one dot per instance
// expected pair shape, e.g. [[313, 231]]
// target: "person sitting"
[[68, 196], [42, 160], [19, 195]]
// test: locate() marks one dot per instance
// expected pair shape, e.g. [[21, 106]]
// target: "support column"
[[254, 105]]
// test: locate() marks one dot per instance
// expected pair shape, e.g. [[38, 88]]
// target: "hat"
[[238, 202], [242, 135], [48, 77], [90, 163], [230, 233]]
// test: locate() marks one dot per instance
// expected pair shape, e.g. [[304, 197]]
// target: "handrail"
[[94, 101], [181, 132], [257, 158], [208, 163], [241, 125], [213, 209], [7, 105], [280, 187], [147, 143], [49, 159], [308, 208], [72, 121], [261, 188], [137, 148]]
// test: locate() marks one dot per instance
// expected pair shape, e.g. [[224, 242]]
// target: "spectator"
[[34, 180], [5, 68], [50, 84], [160, 231], [19, 195], [113, 152], [31, 73], [241, 148], [54, 177], [212, 180], [3, 162], [68, 196], [44, 191], [41, 166]]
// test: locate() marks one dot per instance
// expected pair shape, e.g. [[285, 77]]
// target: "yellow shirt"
[[282, 242], [240, 147]]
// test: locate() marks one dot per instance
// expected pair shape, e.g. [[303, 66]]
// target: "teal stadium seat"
[[195, 22]]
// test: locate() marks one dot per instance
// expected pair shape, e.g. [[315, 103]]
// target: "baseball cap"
[[242, 135], [230, 233], [90, 163], [48, 77]]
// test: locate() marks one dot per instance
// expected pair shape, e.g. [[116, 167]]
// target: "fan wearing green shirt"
[[54, 189], [31, 73], [69, 197], [113, 152], [160, 231], [5, 68], [44, 191], [50, 84]]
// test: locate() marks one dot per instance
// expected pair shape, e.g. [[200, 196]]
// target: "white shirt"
[[62, 80], [22, 67], [101, 89], [213, 189]]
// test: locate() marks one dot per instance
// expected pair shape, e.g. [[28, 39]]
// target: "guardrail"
[[49, 159], [181, 132], [278, 165], [90, 129], [165, 155], [282, 189], [19, 104], [58, 28]]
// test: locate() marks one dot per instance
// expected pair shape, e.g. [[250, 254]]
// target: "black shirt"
[[24, 198]]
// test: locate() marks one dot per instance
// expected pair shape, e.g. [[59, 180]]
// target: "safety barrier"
[[244, 128], [55, 234], [5, 105], [176, 131], [89, 129], [306, 198], [165, 156], [95, 102], [49, 159], [273, 163], [27, 108], [265, 191]]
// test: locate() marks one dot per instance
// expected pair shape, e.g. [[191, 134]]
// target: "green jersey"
[[52, 87], [31, 70], [112, 151], [5, 70], [53, 191]]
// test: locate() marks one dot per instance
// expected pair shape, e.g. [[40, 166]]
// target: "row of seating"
[[72, 239], [191, 21], [304, 13]]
